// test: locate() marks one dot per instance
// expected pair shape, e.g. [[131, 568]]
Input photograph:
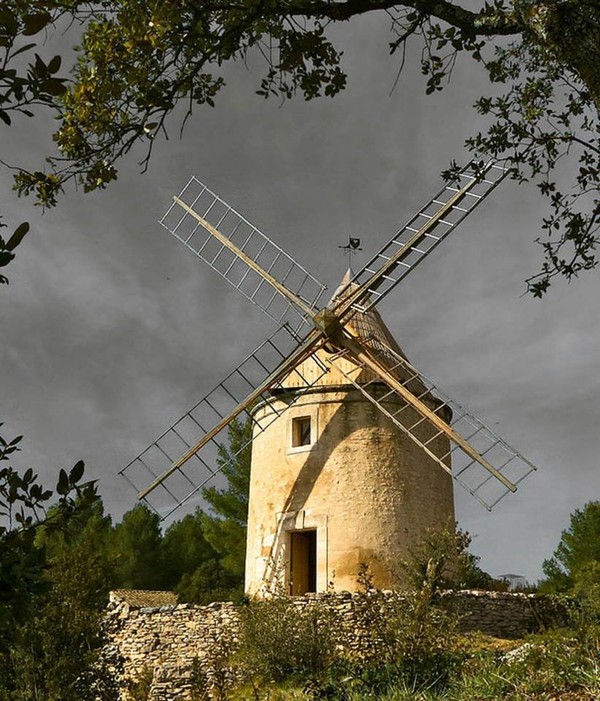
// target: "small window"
[[301, 431]]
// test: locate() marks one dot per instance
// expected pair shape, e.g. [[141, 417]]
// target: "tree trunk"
[[571, 29]]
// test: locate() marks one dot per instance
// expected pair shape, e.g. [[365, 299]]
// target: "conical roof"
[[369, 327]]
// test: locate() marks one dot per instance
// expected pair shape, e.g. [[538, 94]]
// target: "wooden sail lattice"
[[180, 468], [195, 217], [425, 231], [500, 467]]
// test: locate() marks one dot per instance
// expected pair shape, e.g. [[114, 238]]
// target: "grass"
[[556, 666], [407, 649]]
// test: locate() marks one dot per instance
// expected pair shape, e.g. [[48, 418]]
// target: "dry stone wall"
[[165, 647], [168, 647], [505, 614]]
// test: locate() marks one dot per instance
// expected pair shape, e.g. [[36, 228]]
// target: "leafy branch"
[[138, 59], [23, 512], [7, 251]]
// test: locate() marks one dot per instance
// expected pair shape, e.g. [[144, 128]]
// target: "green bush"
[[280, 639], [554, 665], [407, 636]]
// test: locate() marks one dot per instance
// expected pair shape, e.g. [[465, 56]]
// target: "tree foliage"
[[7, 247], [184, 547], [138, 59], [136, 544], [192, 564], [26, 584], [577, 556], [56, 653], [59, 562], [225, 528], [442, 561], [23, 514], [542, 119]]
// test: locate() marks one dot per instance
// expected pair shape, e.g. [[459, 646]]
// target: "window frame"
[[303, 413]]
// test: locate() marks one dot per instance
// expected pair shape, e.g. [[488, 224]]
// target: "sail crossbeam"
[[238, 251], [490, 470], [424, 231], [176, 481]]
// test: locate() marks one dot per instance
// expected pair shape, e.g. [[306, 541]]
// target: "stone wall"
[[165, 645], [505, 614], [160, 645]]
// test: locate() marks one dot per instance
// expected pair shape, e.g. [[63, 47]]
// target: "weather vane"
[[352, 247]]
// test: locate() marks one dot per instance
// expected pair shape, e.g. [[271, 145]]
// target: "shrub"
[[408, 637], [279, 639]]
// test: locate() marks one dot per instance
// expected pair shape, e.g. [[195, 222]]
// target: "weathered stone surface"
[[367, 490]]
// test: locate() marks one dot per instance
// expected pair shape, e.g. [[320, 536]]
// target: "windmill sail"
[[423, 233], [260, 270], [175, 467], [478, 459], [184, 458]]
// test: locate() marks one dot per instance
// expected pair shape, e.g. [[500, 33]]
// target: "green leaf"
[[76, 472], [54, 86], [5, 118], [39, 68], [62, 486], [35, 23], [54, 65], [5, 258], [22, 49], [18, 236], [8, 22]]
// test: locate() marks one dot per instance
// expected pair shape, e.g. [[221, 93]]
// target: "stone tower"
[[334, 483]]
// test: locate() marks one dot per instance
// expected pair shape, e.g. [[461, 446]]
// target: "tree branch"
[[490, 22]]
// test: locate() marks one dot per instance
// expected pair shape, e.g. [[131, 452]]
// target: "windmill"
[[344, 339]]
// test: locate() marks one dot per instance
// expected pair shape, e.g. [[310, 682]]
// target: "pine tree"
[[184, 549], [578, 550], [136, 544], [225, 526]]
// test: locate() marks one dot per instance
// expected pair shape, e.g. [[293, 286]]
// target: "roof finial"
[[352, 247]]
